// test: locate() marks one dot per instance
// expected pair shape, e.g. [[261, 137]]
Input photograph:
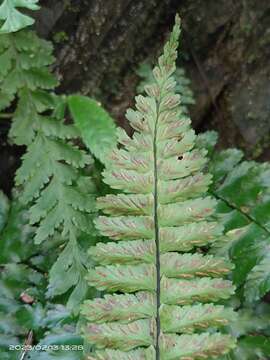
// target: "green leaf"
[[61, 344], [68, 272], [13, 19], [251, 348], [242, 188], [251, 320], [95, 124], [4, 208], [17, 236], [207, 140], [258, 280]]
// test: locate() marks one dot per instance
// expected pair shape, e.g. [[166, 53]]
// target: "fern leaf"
[[30, 58], [186, 347], [52, 176], [195, 346], [187, 319], [130, 252], [13, 19], [176, 265], [95, 125], [123, 337], [245, 216], [162, 213], [118, 355], [126, 204], [242, 191], [126, 278], [182, 84], [258, 280], [184, 292], [68, 272], [180, 265], [124, 308]]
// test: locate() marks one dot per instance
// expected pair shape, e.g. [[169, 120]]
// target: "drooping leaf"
[[258, 280], [96, 126], [68, 272]]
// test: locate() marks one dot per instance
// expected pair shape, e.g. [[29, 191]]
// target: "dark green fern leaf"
[[242, 188], [55, 186]]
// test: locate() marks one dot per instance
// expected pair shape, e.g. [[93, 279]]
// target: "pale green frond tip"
[[176, 31], [177, 25]]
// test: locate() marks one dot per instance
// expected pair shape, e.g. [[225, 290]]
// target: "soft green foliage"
[[96, 126], [252, 347], [13, 20], [54, 175], [242, 190], [258, 280], [167, 291], [55, 185], [24, 74], [23, 306]]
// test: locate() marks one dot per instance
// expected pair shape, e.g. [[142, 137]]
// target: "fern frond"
[[50, 181], [162, 214], [53, 166], [245, 216], [24, 59], [52, 163], [258, 280], [13, 19]]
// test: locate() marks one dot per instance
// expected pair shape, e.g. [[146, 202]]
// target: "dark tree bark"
[[226, 47]]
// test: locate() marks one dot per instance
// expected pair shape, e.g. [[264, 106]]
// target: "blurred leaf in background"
[[97, 127]]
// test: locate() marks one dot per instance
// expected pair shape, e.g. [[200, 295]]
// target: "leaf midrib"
[[156, 224]]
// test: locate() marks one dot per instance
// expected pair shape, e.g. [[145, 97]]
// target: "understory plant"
[[184, 255], [167, 290], [241, 189]]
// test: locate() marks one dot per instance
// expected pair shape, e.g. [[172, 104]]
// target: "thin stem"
[[156, 242], [249, 217]]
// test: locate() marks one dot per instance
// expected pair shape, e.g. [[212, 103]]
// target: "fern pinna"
[[165, 291]]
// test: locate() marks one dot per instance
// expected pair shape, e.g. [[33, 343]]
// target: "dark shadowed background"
[[225, 51]]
